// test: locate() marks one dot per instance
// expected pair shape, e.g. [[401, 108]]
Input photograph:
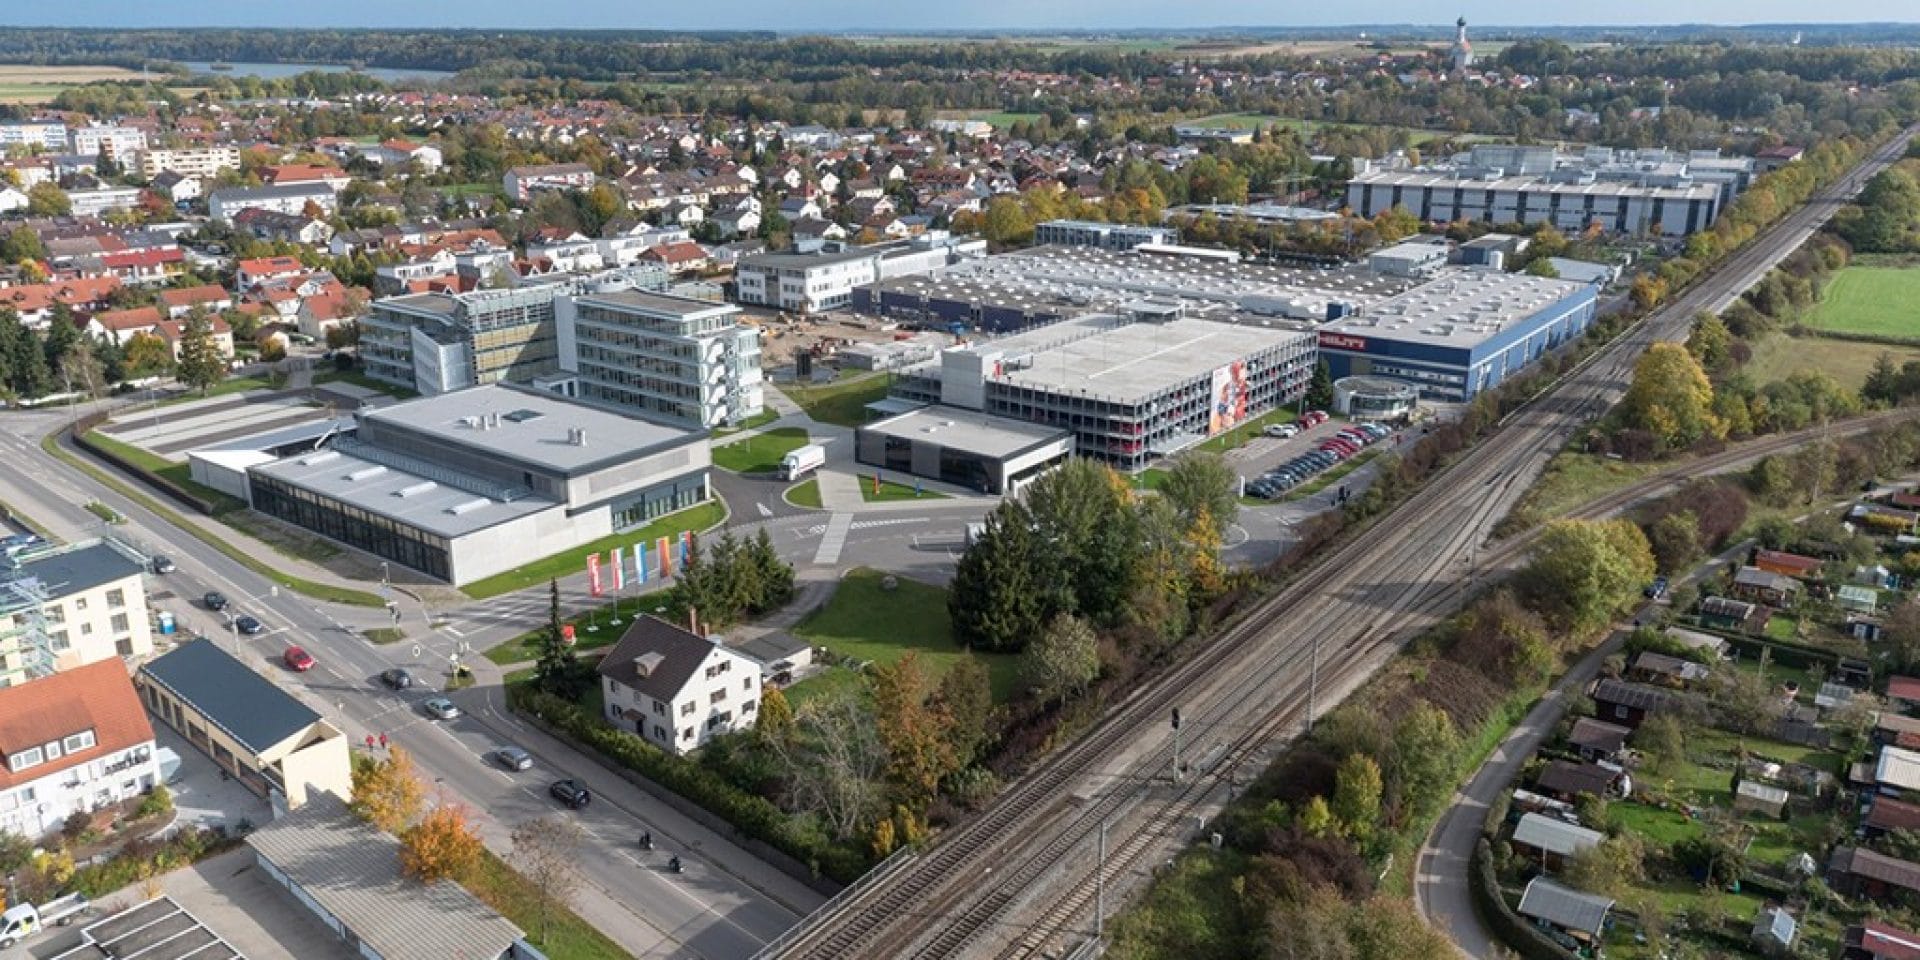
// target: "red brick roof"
[[98, 696], [266, 265], [1885, 941], [1792, 564], [1890, 814], [1903, 688], [138, 318], [189, 296], [300, 173], [77, 292]]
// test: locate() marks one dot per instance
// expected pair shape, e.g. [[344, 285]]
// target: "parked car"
[[248, 625], [571, 793], [161, 563], [298, 660], [397, 678], [215, 600], [513, 758], [1656, 589], [1281, 430], [440, 708]]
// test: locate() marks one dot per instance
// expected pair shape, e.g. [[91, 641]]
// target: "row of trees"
[[1081, 543]]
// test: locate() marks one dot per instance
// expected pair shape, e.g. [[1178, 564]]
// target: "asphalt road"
[[724, 906]]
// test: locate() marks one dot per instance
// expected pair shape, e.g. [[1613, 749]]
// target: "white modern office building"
[[472, 483], [682, 361]]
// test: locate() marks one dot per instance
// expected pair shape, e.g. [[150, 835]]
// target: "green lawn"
[[805, 494], [567, 937], [104, 512], [696, 518], [760, 419], [759, 453], [890, 490], [1664, 827], [866, 622], [843, 402], [1003, 119], [359, 379], [1572, 479], [1870, 300], [1849, 362], [526, 646], [225, 387], [177, 473], [384, 635]]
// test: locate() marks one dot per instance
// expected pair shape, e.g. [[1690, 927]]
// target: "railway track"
[[1341, 619]]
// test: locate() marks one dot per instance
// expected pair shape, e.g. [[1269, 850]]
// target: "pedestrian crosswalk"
[[834, 539]]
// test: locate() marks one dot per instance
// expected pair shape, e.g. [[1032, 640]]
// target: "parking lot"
[[1274, 466]]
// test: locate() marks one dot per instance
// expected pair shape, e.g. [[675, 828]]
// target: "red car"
[[299, 660]]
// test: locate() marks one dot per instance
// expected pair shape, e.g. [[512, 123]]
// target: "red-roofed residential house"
[[1789, 564], [73, 742], [145, 266], [682, 257], [179, 303], [34, 301], [305, 173], [254, 272], [174, 331], [121, 325], [1904, 692]]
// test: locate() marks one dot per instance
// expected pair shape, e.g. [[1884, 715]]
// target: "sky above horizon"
[[845, 15]]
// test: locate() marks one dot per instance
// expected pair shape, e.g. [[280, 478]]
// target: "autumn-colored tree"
[[1671, 397], [1317, 819], [883, 840], [919, 755], [147, 356], [386, 793], [776, 715], [1356, 796], [443, 845]]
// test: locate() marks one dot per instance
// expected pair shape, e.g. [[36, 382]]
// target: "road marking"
[[834, 539], [765, 510]]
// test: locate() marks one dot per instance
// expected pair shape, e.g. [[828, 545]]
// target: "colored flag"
[[593, 573], [666, 562], [686, 546], [619, 569], [640, 563]]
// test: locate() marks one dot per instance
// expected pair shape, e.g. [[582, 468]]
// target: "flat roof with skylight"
[[530, 426], [968, 430], [1460, 308], [435, 506], [1126, 362]]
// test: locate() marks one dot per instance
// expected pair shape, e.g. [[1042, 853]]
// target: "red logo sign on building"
[[1341, 341]]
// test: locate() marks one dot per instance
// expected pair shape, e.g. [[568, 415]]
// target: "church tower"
[[1462, 49]]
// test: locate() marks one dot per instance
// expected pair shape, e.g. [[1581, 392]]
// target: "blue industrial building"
[[1461, 334]]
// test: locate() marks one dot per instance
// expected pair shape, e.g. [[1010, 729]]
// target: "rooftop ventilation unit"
[[366, 473], [319, 458], [467, 506], [416, 489]]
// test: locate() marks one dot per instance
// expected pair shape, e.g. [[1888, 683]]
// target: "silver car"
[[440, 708], [513, 758]]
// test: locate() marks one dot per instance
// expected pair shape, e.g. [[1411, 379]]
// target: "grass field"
[[760, 419], [759, 453], [570, 562], [843, 402], [866, 622], [805, 494], [889, 491], [1572, 479], [1848, 361], [39, 84], [1870, 300], [1002, 119], [565, 936]]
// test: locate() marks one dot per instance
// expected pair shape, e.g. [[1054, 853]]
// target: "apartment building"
[[192, 161], [677, 360], [825, 280], [66, 607], [118, 144], [93, 203], [522, 182], [45, 134], [73, 743], [284, 198], [675, 688]]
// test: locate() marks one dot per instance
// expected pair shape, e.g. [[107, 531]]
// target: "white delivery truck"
[[802, 461], [25, 920]]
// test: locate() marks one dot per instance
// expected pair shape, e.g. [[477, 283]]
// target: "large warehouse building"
[[468, 484], [1459, 334], [1147, 381], [1625, 191]]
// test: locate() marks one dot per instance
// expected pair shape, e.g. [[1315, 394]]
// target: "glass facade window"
[[381, 536]]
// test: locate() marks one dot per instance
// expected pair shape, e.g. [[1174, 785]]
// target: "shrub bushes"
[[753, 815], [147, 858]]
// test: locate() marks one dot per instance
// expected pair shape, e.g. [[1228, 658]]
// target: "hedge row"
[[1891, 340], [150, 858], [1508, 927], [751, 814], [1786, 653], [84, 426]]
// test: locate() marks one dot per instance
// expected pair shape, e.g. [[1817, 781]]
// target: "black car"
[[161, 563], [397, 678], [248, 625], [571, 793], [215, 600]]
